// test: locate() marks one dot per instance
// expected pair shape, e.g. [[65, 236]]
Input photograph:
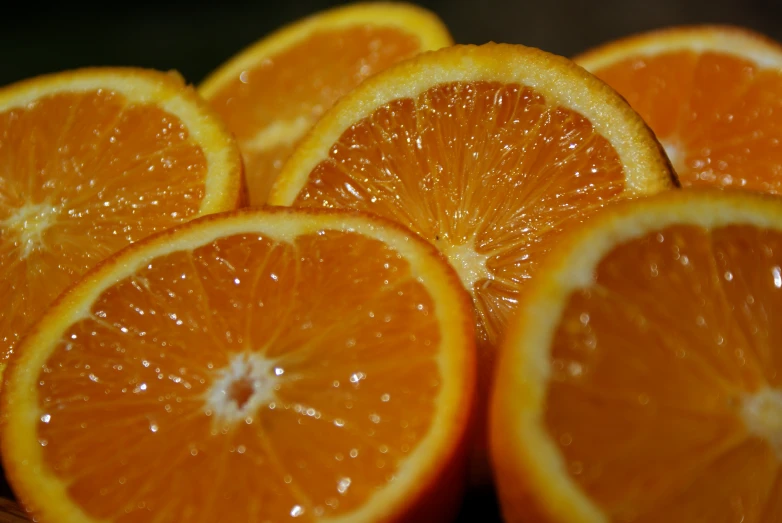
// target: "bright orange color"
[[252, 366], [713, 97], [458, 146], [91, 161], [476, 219], [658, 383], [272, 93]]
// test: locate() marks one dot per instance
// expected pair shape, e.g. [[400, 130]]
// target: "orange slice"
[[642, 380], [256, 366], [711, 94], [271, 93], [91, 161], [489, 153]]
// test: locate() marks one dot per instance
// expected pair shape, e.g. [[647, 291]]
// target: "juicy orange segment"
[[249, 367], [91, 161], [711, 95], [471, 217], [487, 152], [272, 93], [643, 381]]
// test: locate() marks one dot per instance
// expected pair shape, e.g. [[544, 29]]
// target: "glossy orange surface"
[[296, 376], [719, 116], [81, 176], [667, 375], [490, 173], [270, 106]]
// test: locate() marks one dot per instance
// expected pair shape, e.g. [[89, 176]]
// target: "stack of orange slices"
[[490, 153], [272, 93], [246, 366], [476, 265]]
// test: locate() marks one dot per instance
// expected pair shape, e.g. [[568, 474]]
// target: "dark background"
[[195, 38]]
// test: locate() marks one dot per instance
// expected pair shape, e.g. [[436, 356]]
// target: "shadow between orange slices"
[[490, 153]]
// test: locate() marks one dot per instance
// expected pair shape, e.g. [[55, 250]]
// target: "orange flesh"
[[718, 116], [345, 340], [651, 368], [291, 90], [81, 176], [489, 173]]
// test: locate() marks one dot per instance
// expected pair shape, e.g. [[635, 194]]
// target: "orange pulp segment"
[[487, 152], [91, 161], [643, 380], [712, 96], [271, 93], [252, 366]]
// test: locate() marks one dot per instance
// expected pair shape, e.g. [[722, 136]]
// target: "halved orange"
[[271, 93], [642, 380], [713, 96], [254, 366], [489, 153], [91, 161]]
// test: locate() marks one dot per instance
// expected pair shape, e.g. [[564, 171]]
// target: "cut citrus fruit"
[[488, 152], [90, 161], [271, 93], [253, 366], [711, 94], [642, 380]]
